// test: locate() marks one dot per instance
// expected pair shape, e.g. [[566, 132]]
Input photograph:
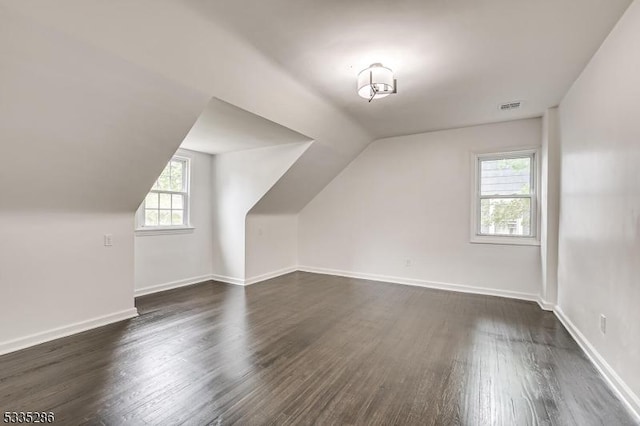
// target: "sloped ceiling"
[[82, 129], [172, 40], [294, 62], [223, 127], [241, 178], [455, 60]]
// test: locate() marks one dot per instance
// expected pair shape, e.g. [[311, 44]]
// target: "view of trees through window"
[[165, 205], [505, 196]]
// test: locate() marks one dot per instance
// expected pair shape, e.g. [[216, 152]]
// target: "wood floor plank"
[[315, 349]]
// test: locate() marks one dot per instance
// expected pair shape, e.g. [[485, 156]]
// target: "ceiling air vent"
[[510, 106]]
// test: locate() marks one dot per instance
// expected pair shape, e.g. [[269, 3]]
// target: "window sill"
[[147, 232], [512, 241]]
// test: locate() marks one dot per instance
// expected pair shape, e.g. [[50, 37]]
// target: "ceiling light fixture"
[[376, 82]]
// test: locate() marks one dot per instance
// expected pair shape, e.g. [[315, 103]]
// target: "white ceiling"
[[223, 127], [455, 60]]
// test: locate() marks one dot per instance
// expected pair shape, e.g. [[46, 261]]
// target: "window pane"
[[177, 217], [177, 168], [177, 202], [165, 201], [165, 218], [507, 176], [151, 202], [151, 218], [164, 181], [505, 216], [165, 206]]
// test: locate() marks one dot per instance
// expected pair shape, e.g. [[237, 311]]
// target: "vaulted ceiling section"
[[121, 83]]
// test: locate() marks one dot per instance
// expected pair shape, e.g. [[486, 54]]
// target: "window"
[[505, 202], [167, 204]]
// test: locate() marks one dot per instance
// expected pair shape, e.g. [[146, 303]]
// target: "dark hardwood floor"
[[315, 349]]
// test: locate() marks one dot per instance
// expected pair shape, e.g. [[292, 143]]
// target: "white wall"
[[241, 179], [166, 260], [56, 273], [180, 42], [271, 245], [83, 133], [86, 130], [599, 248], [408, 198], [550, 207], [91, 112], [227, 242]]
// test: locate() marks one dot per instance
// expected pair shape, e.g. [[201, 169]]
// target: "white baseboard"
[[254, 280], [171, 285], [546, 306], [422, 283], [214, 277], [615, 382], [269, 275], [618, 385], [64, 331], [228, 280]]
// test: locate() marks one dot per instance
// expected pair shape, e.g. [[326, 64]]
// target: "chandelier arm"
[[374, 91]]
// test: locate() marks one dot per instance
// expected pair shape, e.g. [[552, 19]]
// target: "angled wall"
[[400, 212], [271, 245], [91, 113], [241, 179], [245, 156], [68, 110], [83, 134], [168, 260], [599, 246], [180, 42]]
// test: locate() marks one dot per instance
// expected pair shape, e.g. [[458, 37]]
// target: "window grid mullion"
[[496, 197], [184, 192]]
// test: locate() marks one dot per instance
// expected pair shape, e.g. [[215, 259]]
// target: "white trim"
[[186, 193], [166, 230], [189, 281], [212, 277], [475, 158], [544, 305], [171, 285], [64, 331], [460, 288], [228, 280], [623, 391], [270, 275], [506, 240]]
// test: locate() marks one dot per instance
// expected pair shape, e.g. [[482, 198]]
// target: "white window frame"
[[476, 236], [143, 230]]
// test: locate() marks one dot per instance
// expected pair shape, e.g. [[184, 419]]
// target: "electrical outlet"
[[108, 240], [603, 324]]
